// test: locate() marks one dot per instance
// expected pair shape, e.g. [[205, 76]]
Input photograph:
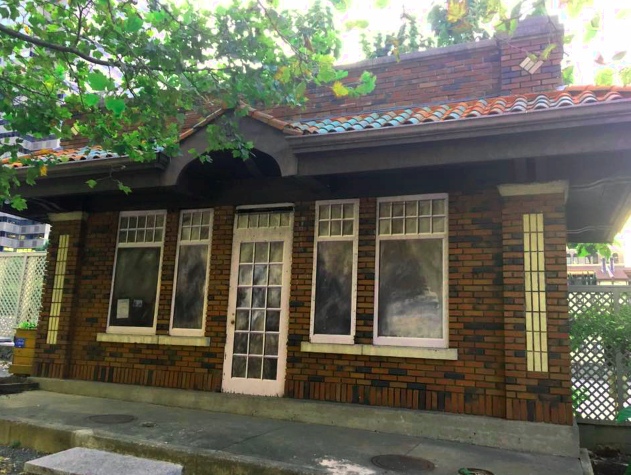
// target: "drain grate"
[[474, 471], [402, 463], [112, 418]]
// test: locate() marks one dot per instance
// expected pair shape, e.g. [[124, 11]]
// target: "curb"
[[586, 463], [50, 438]]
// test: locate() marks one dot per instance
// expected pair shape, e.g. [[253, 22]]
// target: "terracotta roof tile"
[[81, 154], [570, 97]]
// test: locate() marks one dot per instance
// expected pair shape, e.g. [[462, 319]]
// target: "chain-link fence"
[[601, 365], [21, 280]]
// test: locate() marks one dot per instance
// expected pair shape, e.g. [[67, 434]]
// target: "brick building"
[[402, 249]]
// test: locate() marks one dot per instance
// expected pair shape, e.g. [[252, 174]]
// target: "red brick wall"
[[412, 81], [474, 384], [173, 366], [517, 81], [547, 395], [486, 319], [485, 69]]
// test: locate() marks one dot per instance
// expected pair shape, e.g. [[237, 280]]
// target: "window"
[[411, 282], [188, 307], [136, 286], [616, 259], [334, 285], [569, 258]]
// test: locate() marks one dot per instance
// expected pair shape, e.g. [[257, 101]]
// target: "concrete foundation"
[[541, 438]]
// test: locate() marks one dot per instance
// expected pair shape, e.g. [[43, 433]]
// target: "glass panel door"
[[255, 355], [259, 291]]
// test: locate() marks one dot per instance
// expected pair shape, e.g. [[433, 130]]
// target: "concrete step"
[[80, 461]]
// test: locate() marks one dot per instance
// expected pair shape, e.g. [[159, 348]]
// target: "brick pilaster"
[[53, 359], [530, 395]]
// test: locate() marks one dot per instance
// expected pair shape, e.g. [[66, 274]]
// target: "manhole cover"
[[474, 471], [112, 418], [402, 463]]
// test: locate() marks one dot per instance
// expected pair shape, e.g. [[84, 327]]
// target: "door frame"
[[260, 387]]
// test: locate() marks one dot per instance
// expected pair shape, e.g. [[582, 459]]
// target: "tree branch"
[[67, 49]]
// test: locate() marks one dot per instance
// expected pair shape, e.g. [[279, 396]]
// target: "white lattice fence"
[[601, 375], [21, 280]]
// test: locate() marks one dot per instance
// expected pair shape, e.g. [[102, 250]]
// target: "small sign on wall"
[[122, 308], [19, 342]]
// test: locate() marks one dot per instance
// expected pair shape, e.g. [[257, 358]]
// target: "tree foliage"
[[612, 328], [460, 21], [125, 71], [590, 249]]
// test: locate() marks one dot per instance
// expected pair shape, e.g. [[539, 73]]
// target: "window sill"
[[153, 339], [450, 354]]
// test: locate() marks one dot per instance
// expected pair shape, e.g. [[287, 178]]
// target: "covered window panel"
[[411, 293], [193, 257], [335, 272], [135, 286]]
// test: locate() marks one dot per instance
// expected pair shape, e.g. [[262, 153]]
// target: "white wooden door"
[[256, 347]]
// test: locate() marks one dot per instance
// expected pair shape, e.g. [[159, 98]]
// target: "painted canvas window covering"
[[192, 270], [412, 275], [335, 271], [137, 269]]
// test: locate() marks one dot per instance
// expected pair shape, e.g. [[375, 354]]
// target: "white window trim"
[[137, 330], [322, 338], [405, 341], [189, 331]]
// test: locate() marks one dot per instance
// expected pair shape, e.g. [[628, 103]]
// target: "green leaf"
[[341, 5], [625, 76], [300, 89], [18, 203], [91, 183], [353, 24], [533, 57], [567, 39], [339, 89], [622, 14], [31, 174], [516, 11], [568, 75], [381, 3], [589, 35], [124, 188], [133, 24], [575, 7], [91, 99], [545, 54], [115, 104], [99, 81], [624, 415], [618, 56], [604, 77]]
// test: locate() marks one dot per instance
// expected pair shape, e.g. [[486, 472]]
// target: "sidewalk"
[[218, 443]]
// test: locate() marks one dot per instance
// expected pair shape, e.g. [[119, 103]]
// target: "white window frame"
[[189, 331], [407, 341], [137, 330], [324, 338]]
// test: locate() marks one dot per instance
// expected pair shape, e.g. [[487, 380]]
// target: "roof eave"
[[90, 167], [569, 117]]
